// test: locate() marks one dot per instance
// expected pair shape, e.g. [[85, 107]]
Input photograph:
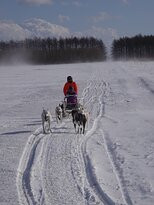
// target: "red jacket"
[[67, 85]]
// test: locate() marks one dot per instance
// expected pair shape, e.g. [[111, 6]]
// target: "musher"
[[70, 91]]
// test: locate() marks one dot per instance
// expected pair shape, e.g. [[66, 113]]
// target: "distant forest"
[[71, 50], [52, 50], [137, 47]]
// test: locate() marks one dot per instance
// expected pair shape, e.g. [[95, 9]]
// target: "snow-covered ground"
[[113, 163]]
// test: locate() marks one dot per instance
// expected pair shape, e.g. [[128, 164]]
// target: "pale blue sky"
[[122, 17]]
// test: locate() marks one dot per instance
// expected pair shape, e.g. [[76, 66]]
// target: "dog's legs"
[[56, 116], [81, 129], [61, 117], [87, 121], [78, 130], [74, 126], [84, 125], [43, 127], [57, 119], [49, 126]]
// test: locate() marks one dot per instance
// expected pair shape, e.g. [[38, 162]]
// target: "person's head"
[[69, 79]]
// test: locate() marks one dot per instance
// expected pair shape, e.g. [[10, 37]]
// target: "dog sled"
[[71, 107], [70, 103], [65, 108]]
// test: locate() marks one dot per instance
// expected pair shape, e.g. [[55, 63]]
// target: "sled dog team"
[[79, 118], [79, 115]]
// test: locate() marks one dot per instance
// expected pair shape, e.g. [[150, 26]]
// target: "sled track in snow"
[[92, 179], [146, 85], [24, 172], [117, 170]]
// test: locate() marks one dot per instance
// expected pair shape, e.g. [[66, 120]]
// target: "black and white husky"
[[59, 113], [46, 121], [80, 119]]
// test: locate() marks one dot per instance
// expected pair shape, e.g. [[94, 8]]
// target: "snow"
[[112, 163]]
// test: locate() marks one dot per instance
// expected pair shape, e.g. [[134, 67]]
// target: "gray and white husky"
[[59, 113], [46, 120]]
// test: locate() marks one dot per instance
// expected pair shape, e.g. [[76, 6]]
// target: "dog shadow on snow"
[[34, 123], [16, 132]]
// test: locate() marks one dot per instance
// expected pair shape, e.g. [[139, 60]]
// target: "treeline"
[[52, 50], [137, 47]]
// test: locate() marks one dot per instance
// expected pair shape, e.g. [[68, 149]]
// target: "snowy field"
[[112, 164]]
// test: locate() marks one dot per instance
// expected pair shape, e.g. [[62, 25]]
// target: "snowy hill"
[[44, 29], [12, 31], [111, 164], [31, 28]]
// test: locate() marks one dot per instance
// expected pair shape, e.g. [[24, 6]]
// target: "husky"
[[80, 119], [46, 119], [59, 113]]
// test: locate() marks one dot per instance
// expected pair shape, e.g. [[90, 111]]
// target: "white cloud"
[[12, 31], [31, 28], [44, 29], [102, 16], [63, 18], [125, 1], [36, 1], [77, 3], [106, 34]]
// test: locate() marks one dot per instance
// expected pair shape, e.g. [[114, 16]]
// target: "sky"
[[104, 19]]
